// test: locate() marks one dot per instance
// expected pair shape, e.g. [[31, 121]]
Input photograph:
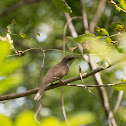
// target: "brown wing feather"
[[54, 73]]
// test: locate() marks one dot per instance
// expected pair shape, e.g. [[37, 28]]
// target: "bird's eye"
[[70, 59]]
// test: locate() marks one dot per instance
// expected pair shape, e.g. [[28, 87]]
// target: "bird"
[[56, 72]]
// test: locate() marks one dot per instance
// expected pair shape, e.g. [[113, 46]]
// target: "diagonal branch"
[[97, 16], [65, 82]]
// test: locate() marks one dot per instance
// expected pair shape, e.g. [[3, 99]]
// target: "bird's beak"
[[77, 58]]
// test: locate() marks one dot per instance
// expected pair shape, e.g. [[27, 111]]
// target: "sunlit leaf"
[[120, 87], [108, 40], [101, 31], [4, 49], [104, 63], [63, 5], [27, 27], [122, 4], [5, 121], [84, 38], [24, 36], [26, 119], [10, 65], [51, 121], [82, 119], [117, 27], [38, 34]]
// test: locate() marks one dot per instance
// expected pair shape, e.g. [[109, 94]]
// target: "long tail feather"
[[40, 92]]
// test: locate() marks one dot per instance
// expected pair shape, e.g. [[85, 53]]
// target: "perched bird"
[[55, 73]]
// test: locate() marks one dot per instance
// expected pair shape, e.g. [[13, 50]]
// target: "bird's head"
[[69, 59]]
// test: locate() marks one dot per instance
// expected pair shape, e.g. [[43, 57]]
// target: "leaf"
[[26, 119], [119, 87], [71, 44], [81, 119], [4, 49], [63, 5], [84, 37], [101, 31], [104, 63], [123, 4], [24, 36], [10, 82], [5, 121], [10, 65], [51, 121], [27, 27], [38, 34], [117, 27], [11, 27]]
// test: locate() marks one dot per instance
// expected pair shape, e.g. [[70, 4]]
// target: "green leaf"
[[117, 27], [104, 63], [84, 37], [82, 119], [11, 27], [51, 121], [26, 119], [63, 6], [27, 27], [24, 36], [5, 121], [120, 87], [71, 44], [4, 49], [122, 4], [101, 31], [10, 82], [10, 65]]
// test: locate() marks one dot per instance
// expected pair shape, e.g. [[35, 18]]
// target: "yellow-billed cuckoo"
[[56, 73]]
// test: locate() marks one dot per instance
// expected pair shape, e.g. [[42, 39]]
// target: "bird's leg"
[[58, 79]]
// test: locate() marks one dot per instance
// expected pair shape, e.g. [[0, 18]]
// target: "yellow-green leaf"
[[24, 36], [63, 5], [4, 49], [101, 31], [120, 87], [117, 27], [5, 121]]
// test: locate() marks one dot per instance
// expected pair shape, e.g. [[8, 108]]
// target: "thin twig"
[[41, 68], [97, 15], [36, 113], [63, 107], [105, 85], [65, 82], [118, 102], [83, 81], [96, 76], [85, 21]]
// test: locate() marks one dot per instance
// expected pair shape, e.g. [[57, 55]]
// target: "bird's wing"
[[55, 73]]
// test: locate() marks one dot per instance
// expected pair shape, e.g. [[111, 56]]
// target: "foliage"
[[36, 26]]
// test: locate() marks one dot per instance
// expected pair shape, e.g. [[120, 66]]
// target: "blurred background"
[[18, 74]]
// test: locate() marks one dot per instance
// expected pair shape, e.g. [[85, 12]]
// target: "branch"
[[85, 21], [17, 6], [118, 101], [41, 68], [65, 82], [97, 16], [96, 76]]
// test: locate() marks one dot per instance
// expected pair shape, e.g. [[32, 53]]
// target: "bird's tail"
[[40, 92]]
